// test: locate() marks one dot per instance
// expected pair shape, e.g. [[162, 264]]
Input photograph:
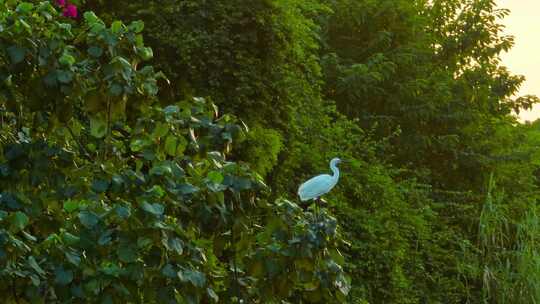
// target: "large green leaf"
[[63, 277], [19, 221], [95, 51], [73, 258], [215, 177], [127, 253], [187, 188], [117, 26], [88, 218], [98, 126], [169, 271], [155, 209], [170, 145], [137, 145], [71, 205], [64, 76], [16, 54], [25, 7], [67, 59], [33, 263], [197, 278]]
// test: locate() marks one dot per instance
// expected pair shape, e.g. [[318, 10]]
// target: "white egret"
[[319, 185]]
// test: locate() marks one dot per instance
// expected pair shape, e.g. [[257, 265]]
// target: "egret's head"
[[335, 161]]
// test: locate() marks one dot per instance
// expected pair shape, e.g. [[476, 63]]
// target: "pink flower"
[[61, 3], [70, 11]]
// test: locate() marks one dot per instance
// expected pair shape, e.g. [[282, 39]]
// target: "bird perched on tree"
[[319, 185]]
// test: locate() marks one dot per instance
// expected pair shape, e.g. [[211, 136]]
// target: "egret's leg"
[[317, 201]]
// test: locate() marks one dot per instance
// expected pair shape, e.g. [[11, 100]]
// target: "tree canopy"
[[156, 159]]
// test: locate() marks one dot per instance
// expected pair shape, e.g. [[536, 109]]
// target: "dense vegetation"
[[121, 182]]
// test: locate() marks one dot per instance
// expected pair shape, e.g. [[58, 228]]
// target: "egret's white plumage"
[[320, 184]]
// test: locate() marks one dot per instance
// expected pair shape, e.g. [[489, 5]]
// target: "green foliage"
[[146, 216], [262, 148], [245, 55], [505, 242], [101, 173], [431, 71], [123, 200], [94, 67], [292, 238]]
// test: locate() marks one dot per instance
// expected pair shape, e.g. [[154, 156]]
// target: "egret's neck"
[[335, 170]]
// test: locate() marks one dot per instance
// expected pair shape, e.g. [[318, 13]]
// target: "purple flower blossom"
[[61, 3], [70, 11]]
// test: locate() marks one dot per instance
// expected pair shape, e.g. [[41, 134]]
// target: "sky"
[[524, 59]]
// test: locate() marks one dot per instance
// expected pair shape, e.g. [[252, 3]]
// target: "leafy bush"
[[247, 56], [106, 196]]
